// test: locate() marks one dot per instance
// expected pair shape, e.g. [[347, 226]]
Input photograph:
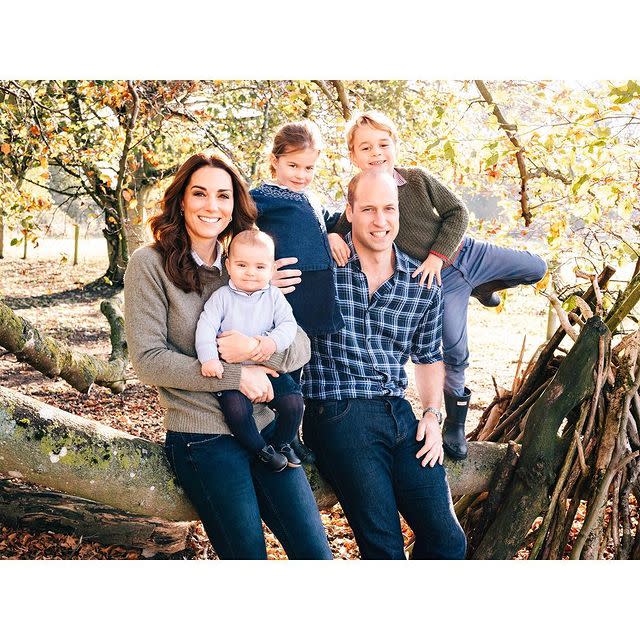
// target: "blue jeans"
[[287, 402], [477, 263], [232, 493], [366, 449]]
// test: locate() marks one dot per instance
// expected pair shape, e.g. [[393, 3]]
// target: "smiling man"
[[379, 458]]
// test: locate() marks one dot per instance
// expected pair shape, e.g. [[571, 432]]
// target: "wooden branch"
[[125, 149], [55, 359], [344, 99], [497, 488], [537, 374], [551, 173], [29, 507], [332, 100], [509, 129], [627, 300]]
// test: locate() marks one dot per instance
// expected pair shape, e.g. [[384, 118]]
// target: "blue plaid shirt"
[[366, 358]]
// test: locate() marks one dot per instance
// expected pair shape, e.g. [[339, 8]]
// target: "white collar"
[[273, 183], [232, 285], [216, 263]]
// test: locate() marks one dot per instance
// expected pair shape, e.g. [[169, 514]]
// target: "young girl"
[[290, 214], [433, 221]]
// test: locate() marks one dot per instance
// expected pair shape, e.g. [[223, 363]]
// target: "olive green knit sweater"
[[432, 217]]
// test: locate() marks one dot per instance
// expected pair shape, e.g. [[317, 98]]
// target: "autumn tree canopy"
[[560, 159]]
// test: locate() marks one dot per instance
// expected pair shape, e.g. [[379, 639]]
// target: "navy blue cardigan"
[[299, 230]]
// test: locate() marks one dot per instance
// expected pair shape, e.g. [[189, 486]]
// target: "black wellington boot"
[[454, 442], [486, 293]]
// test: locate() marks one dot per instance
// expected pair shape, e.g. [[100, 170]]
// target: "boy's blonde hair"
[[373, 119], [252, 238], [296, 136]]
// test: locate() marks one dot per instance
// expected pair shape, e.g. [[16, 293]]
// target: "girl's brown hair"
[[170, 234], [296, 136]]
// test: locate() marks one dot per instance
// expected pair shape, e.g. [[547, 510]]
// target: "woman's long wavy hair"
[[170, 234]]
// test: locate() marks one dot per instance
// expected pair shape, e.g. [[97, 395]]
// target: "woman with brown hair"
[[166, 287]]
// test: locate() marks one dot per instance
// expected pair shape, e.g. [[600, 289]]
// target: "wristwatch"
[[436, 412]]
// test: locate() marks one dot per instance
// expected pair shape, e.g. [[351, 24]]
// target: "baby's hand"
[[266, 348], [212, 369], [339, 249]]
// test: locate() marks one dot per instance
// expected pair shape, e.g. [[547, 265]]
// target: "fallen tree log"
[[55, 359], [81, 457], [29, 507]]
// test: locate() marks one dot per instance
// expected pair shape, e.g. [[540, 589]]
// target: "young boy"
[[433, 221], [251, 305]]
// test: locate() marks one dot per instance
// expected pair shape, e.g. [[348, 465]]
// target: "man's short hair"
[[353, 183]]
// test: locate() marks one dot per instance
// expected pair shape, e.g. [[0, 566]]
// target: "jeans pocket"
[[197, 440], [332, 411]]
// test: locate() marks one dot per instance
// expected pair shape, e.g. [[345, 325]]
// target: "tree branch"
[[56, 359], [509, 129]]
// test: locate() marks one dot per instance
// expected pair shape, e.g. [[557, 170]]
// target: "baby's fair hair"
[[373, 119], [296, 136], [254, 238]]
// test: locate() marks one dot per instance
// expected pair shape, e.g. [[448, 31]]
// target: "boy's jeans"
[[477, 263], [366, 449]]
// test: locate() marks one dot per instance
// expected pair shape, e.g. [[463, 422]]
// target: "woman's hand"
[[285, 279], [429, 269], [339, 249], [234, 346], [429, 431], [267, 347], [255, 383]]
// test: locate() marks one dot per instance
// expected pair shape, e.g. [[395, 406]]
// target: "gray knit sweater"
[[160, 323], [432, 217]]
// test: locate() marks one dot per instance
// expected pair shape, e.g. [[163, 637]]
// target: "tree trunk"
[[38, 509], [117, 253], [136, 228], [542, 449], [81, 457], [55, 359]]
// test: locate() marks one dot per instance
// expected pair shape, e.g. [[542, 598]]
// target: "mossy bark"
[[55, 359]]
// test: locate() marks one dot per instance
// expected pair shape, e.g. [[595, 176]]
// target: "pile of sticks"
[[591, 470]]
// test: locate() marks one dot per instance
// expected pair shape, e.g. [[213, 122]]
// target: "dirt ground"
[[49, 292]]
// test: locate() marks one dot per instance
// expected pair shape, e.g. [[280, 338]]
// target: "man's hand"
[[429, 431], [429, 269], [212, 369], [339, 249], [255, 383], [234, 346], [285, 279], [267, 347]]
